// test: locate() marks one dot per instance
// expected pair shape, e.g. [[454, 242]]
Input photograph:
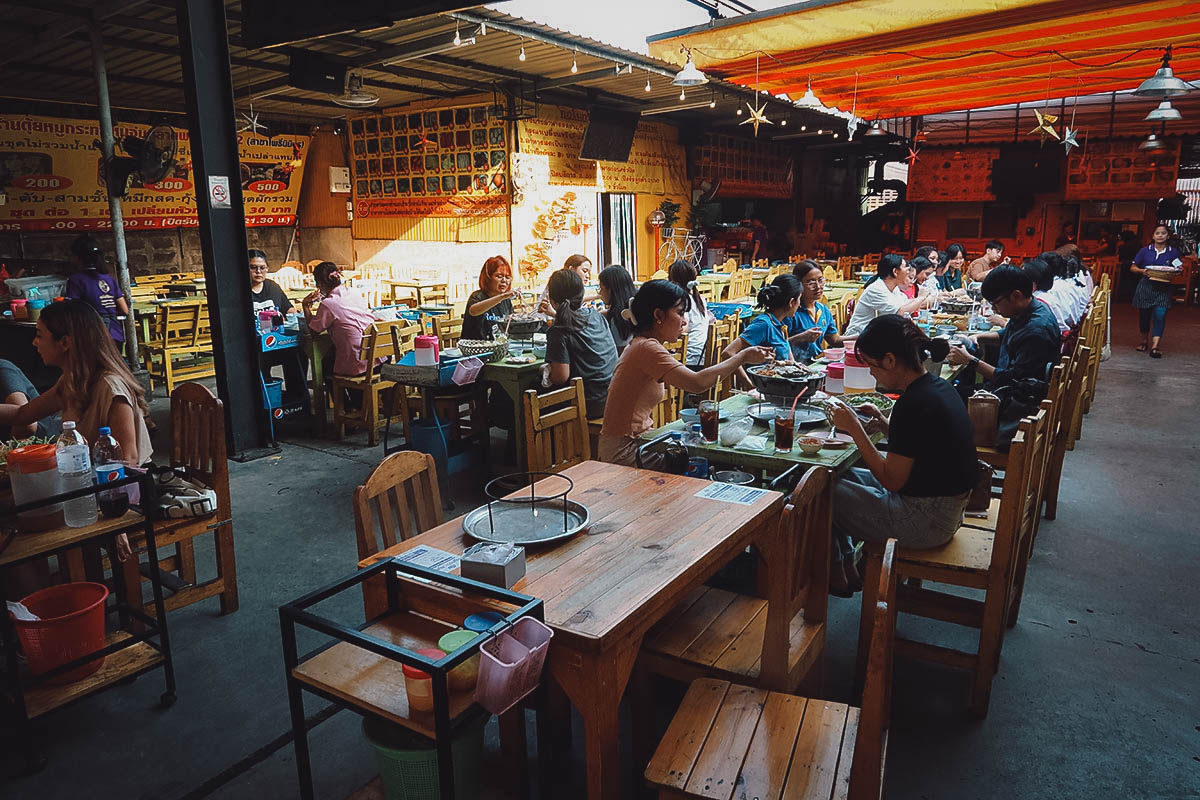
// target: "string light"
[[521, 56], [682, 94], [803, 127], [739, 112], [647, 81], [783, 123], [713, 102], [575, 63]]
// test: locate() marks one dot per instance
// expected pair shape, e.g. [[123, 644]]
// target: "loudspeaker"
[[316, 73]]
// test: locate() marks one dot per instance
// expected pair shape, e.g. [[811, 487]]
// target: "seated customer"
[[15, 389], [1043, 283], [96, 388], [780, 299], [950, 268], [993, 256], [492, 303], [616, 290], [917, 491], [1029, 344], [579, 344], [883, 295], [699, 318], [266, 295], [812, 326], [343, 312], [658, 313]]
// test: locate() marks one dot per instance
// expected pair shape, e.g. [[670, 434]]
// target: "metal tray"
[[805, 415], [523, 523]]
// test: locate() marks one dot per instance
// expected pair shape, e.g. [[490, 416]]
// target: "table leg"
[[594, 682]]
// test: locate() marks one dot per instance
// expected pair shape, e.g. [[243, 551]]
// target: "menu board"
[[952, 175], [744, 167], [50, 171], [444, 162], [1120, 170]]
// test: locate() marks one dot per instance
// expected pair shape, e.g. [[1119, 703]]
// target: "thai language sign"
[[50, 170]]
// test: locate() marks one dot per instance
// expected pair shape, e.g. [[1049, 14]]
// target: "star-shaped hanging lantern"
[[1068, 139], [912, 158], [250, 123], [1045, 125], [757, 117]]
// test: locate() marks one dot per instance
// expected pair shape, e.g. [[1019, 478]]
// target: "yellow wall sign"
[[655, 166], [50, 169]]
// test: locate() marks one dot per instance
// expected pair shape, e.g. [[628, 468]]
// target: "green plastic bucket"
[[408, 766]]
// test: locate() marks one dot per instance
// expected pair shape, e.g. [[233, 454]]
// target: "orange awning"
[[913, 57]]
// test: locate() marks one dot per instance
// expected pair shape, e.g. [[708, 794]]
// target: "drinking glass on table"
[[710, 414], [785, 428]]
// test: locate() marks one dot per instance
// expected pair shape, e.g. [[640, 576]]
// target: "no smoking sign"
[[218, 191]]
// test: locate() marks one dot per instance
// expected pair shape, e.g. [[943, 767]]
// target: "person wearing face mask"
[[917, 491], [658, 314], [492, 302]]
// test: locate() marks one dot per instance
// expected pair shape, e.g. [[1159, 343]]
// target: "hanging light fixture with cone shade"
[[875, 130], [689, 75], [1163, 82], [1164, 113], [1151, 142]]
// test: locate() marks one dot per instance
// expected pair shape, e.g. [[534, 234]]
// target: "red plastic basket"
[[71, 625]]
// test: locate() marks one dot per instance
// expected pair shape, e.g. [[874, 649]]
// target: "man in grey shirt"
[[16, 389]]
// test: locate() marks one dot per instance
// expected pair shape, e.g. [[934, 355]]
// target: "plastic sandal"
[[1141, 348], [1156, 353]]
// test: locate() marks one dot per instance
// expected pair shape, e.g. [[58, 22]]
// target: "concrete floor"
[[1096, 696]]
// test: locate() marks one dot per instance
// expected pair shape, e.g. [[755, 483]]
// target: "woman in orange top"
[[659, 314]]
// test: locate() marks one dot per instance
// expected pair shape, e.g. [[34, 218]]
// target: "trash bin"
[[70, 625], [272, 394], [408, 765]]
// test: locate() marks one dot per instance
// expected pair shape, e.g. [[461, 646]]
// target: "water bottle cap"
[[68, 425], [105, 431], [695, 426]]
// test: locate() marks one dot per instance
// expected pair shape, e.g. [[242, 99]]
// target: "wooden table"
[[513, 380], [766, 460], [418, 287], [650, 542]]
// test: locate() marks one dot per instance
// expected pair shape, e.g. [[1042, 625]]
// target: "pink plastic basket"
[[511, 664]]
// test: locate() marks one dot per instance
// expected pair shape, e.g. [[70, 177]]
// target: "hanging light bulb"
[[713, 102], [783, 123], [739, 112], [575, 63], [483, 29], [835, 136], [457, 38], [803, 127], [682, 94], [647, 82], [521, 55]]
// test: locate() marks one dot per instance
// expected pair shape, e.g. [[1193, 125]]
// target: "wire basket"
[[483, 348]]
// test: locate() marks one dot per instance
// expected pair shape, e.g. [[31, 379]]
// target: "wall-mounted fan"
[[150, 160], [354, 96]]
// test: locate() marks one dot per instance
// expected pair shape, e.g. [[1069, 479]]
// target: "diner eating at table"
[[950, 268], [616, 290], [917, 491], [993, 256], [491, 303], [658, 313], [813, 324], [699, 318], [884, 295], [17, 390], [343, 311], [579, 343], [582, 266]]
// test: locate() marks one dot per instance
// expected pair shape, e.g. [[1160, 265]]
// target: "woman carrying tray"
[[1153, 297]]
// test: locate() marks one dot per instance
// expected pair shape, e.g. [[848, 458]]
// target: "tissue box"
[[503, 575]]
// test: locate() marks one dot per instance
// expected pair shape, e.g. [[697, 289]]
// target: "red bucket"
[[71, 625]]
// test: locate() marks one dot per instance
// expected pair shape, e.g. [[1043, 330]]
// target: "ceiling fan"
[[354, 96]]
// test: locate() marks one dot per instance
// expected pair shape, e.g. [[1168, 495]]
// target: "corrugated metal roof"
[[141, 50]]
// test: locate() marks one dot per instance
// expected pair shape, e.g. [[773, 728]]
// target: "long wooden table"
[[513, 380], [650, 542]]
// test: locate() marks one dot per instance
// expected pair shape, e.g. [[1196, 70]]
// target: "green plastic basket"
[[408, 762]]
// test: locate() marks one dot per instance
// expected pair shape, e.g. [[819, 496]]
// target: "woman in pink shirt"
[[343, 312]]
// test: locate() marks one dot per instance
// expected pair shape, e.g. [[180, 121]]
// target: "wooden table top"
[[650, 538], [30, 544], [766, 458]]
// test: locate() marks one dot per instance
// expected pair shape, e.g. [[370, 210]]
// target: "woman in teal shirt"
[[780, 299], [813, 322]]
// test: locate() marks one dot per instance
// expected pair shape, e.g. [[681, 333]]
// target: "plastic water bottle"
[[109, 466], [75, 471], [692, 437]]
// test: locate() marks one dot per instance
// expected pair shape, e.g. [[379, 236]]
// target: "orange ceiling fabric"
[[913, 57]]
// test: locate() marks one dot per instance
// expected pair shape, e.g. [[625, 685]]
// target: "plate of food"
[[526, 359], [882, 402]]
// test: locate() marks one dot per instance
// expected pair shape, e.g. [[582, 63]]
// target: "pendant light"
[[1151, 142], [1163, 82], [1164, 113], [689, 75], [875, 130], [521, 55]]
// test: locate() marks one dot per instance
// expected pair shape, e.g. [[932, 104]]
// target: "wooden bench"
[[729, 742]]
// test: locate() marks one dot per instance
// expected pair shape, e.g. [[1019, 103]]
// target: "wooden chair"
[[871, 260], [1056, 389], [720, 333], [1061, 434], [776, 642], [439, 293], [290, 276], [448, 330], [845, 267], [974, 559], [740, 285], [399, 499], [198, 448], [556, 434], [180, 333], [733, 742], [387, 340]]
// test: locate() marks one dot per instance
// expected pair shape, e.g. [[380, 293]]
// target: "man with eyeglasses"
[[1029, 344]]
